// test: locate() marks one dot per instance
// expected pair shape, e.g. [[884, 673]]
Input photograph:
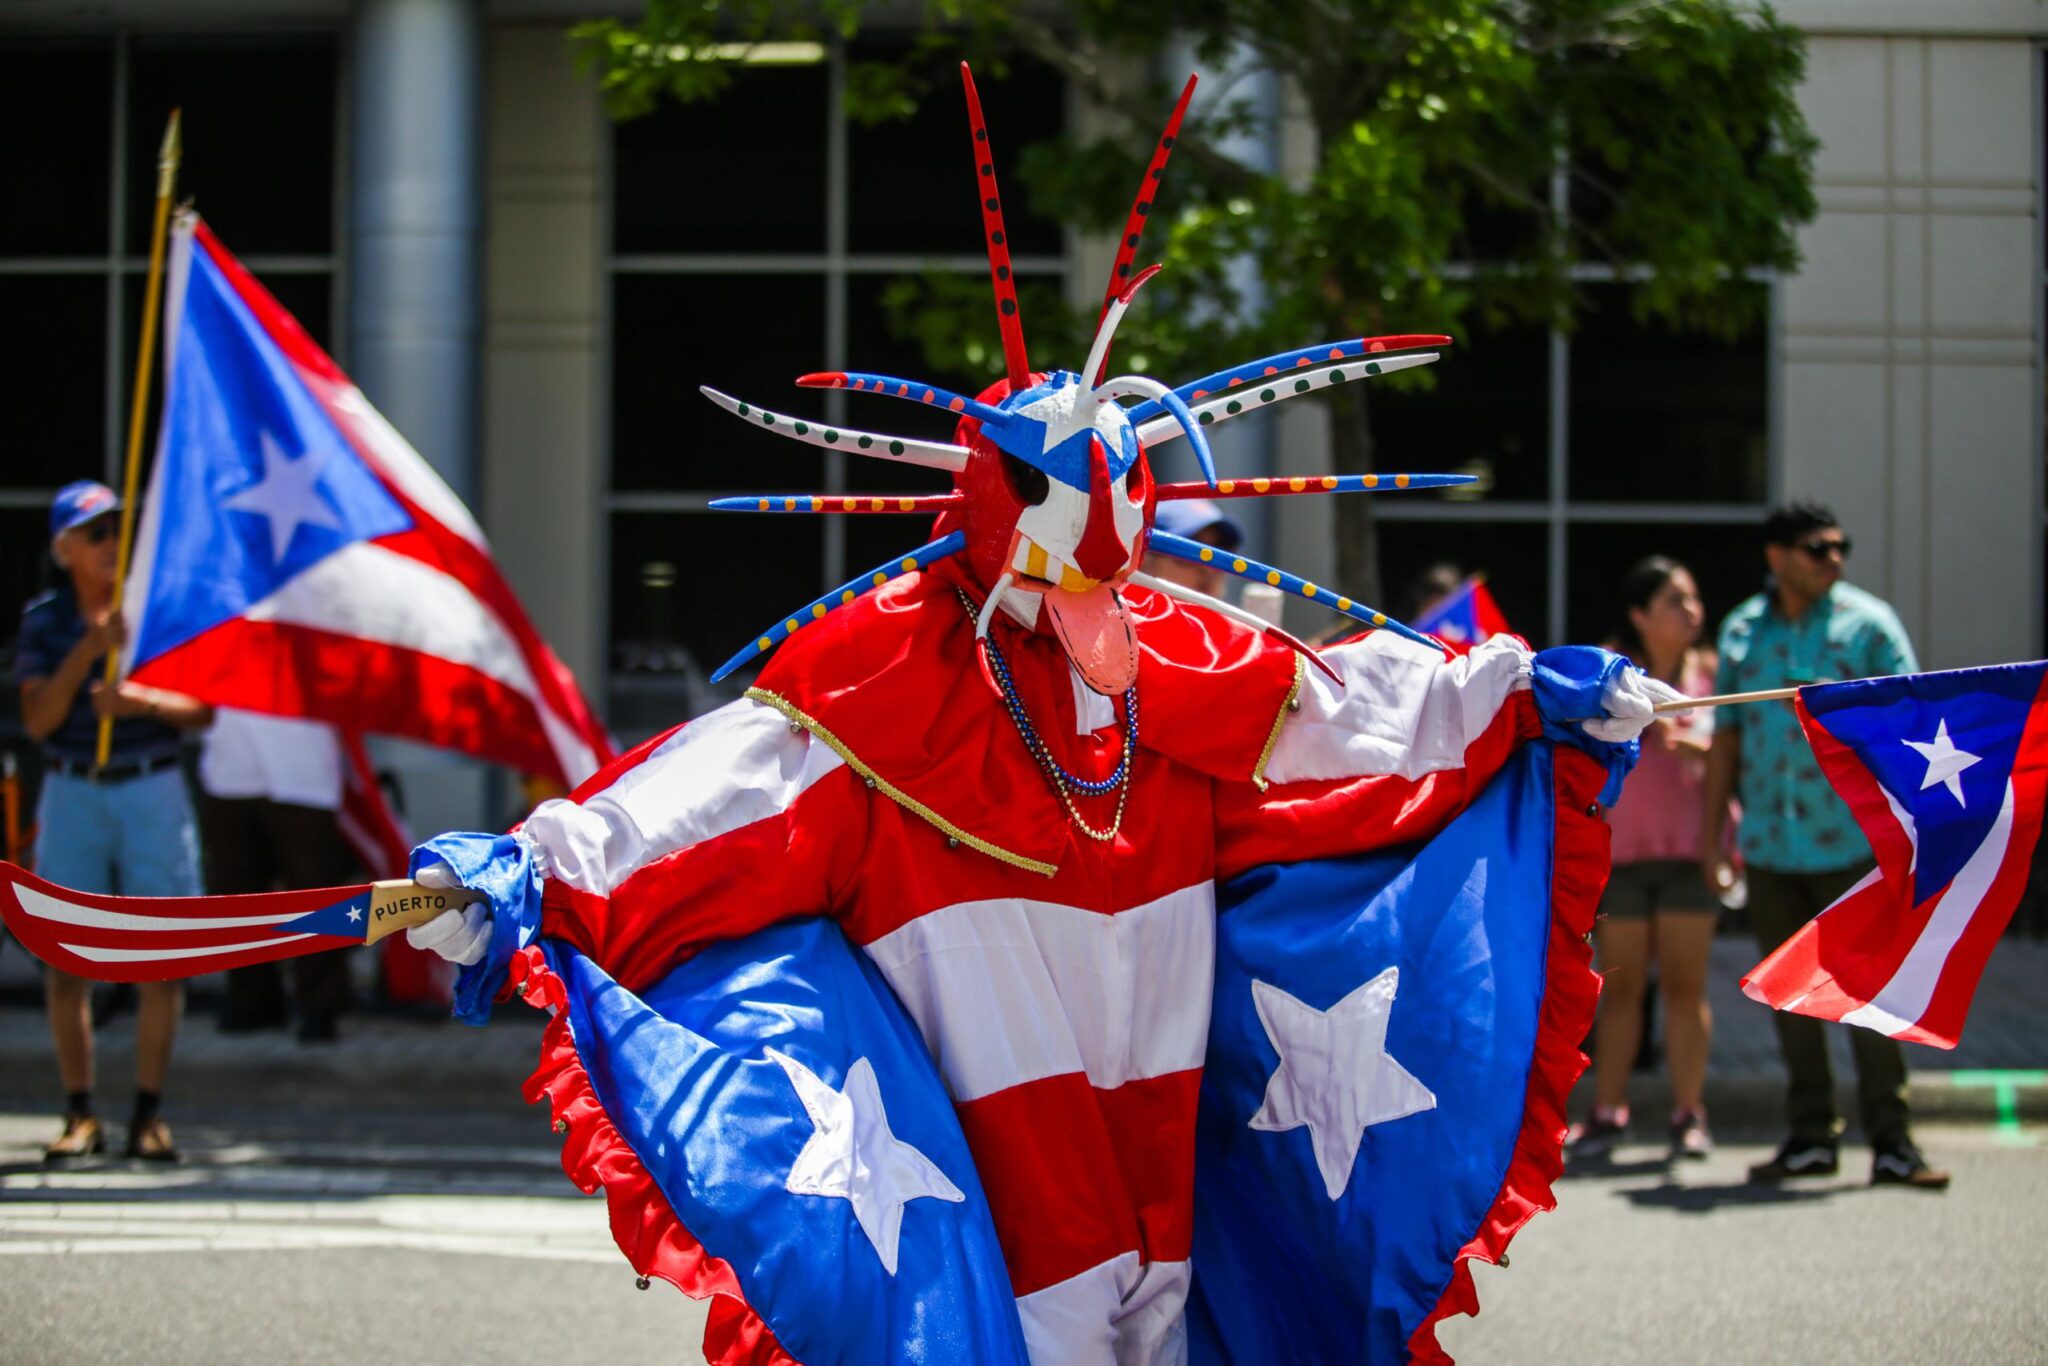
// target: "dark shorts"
[[1634, 890]]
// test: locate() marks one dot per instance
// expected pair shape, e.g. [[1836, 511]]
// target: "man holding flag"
[[123, 825], [1803, 848]]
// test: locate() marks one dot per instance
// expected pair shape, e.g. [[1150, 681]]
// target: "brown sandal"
[[152, 1142], [82, 1137]]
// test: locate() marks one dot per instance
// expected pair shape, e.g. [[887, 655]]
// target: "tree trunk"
[[1358, 560]]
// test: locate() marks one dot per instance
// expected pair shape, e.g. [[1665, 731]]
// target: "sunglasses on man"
[[1827, 547], [98, 531]]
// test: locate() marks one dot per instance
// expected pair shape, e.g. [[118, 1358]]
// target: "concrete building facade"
[[532, 294]]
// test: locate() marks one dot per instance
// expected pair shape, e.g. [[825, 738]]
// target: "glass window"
[[57, 99], [748, 336], [1489, 414], [745, 173], [1513, 555], [259, 132], [912, 184], [52, 389], [689, 589], [1659, 416], [871, 346]]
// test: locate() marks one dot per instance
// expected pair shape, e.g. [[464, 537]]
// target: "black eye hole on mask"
[[1028, 482]]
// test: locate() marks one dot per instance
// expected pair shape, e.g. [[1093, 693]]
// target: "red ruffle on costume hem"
[[656, 1244], [595, 1154], [1578, 875]]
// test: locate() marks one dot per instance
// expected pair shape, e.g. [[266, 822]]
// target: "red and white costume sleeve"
[[1062, 981]]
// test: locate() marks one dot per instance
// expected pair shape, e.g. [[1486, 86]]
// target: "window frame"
[[838, 264], [1558, 512], [116, 267]]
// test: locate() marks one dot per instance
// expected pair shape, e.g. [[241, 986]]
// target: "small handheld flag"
[[1946, 775], [159, 938], [1467, 618]]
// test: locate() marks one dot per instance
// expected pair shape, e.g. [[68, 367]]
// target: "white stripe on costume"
[[1402, 709], [1054, 989], [1901, 1002], [1119, 1313], [725, 770]]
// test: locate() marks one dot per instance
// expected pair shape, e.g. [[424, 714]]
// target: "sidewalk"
[[1999, 1073]]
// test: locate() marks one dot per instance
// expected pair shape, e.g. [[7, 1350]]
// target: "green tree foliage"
[[1440, 126]]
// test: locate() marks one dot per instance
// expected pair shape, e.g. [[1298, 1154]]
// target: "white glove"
[[461, 937], [1630, 702]]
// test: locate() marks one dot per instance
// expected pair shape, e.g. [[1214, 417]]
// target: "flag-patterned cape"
[[1083, 1010]]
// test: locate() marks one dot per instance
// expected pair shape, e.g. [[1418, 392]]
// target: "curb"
[[2003, 1097]]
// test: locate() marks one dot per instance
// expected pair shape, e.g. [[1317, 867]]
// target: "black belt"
[[117, 772]]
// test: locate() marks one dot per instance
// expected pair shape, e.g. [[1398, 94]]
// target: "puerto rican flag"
[[1466, 618], [297, 557], [1946, 774], [164, 938]]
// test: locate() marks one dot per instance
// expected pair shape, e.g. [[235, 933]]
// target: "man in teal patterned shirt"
[[1800, 844]]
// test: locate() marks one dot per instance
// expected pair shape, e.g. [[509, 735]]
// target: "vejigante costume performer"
[[897, 993], [1046, 962]]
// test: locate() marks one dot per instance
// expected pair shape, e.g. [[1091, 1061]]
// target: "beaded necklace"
[[1063, 782]]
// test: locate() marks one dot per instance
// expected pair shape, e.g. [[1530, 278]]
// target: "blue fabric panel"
[[1281, 1270]]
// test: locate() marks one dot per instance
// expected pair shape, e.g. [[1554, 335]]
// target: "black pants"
[[256, 845], [1779, 903]]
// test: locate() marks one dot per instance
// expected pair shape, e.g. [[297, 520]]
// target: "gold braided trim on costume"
[[898, 795], [1293, 703]]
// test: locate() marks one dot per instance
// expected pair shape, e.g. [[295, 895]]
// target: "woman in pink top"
[[1655, 904]]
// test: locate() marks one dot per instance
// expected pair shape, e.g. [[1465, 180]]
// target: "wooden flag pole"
[[1728, 699], [138, 410]]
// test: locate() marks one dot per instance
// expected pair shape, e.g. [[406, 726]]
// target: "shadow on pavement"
[[1705, 1199]]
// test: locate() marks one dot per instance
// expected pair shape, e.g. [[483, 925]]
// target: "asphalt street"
[[293, 1235]]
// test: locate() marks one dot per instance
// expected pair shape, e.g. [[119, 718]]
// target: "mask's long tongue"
[[1098, 637]]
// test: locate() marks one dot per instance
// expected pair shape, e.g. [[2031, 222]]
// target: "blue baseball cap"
[[1191, 517], [80, 502]]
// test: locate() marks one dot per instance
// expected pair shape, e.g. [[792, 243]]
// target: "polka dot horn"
[[1052, 486]]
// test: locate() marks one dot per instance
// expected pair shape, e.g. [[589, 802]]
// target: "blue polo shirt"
[[1792, 820], [50, 626]]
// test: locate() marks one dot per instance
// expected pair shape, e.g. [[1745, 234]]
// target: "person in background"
[[1802, 847], [1427, 589], [125, 828], [1198, 519], [1655, 906], [270, 788]]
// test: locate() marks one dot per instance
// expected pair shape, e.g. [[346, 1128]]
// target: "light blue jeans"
[[136, 837]]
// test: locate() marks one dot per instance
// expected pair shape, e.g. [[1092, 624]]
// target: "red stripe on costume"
[[292, 670], [644, 1224], [1076, 1175], [1333, 818], [1152, 1124], [1578, 875], [908, 869], [717, 889]]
